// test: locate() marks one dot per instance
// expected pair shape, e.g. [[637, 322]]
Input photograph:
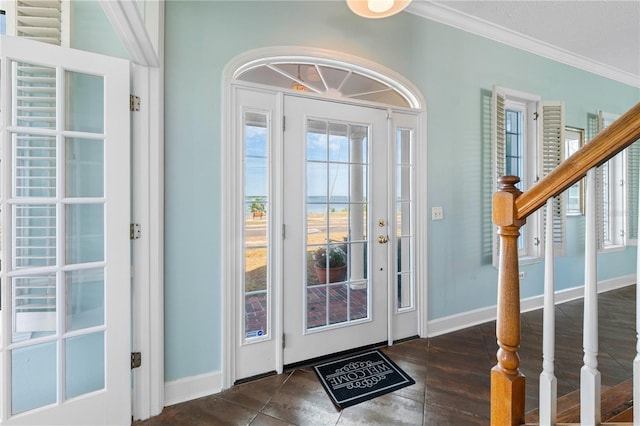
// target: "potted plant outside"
[[330, 264], [257, 208]]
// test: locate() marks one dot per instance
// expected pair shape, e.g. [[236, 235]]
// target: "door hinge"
[[283, 123], [536, 115], [135, 232], [282, 340], [284, 231], [134, 103], [136, 359]]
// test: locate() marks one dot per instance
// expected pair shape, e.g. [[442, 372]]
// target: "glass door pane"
[[337, 288], [404, 219], [257, 213]]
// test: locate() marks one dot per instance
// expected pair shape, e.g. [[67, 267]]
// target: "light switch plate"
[[437, 213]]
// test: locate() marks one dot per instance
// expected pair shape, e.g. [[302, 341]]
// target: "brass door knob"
[[383, 239]]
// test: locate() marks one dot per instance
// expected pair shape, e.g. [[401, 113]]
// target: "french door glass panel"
[[336, 204], [40, 199], [62, 321]]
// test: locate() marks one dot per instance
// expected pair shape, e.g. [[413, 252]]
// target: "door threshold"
[[337, 355], [256, 377]]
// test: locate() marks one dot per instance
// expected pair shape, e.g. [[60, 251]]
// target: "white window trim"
[[618, 197], [632, 193], [531, 230], [527, 103]]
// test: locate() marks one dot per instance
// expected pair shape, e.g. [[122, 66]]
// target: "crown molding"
[[443, 14]]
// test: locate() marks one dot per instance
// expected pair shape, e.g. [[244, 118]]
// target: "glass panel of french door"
[[64, 336], [336, 205], [335, 190]]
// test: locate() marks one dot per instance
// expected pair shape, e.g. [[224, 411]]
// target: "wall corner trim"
[[192, 387]]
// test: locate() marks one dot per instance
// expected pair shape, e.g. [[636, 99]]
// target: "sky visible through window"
[[328, 167]]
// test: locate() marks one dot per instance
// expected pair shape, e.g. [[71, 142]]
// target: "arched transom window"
[[330, 78]]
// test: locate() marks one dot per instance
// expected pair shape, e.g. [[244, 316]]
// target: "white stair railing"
[[511, 207], [636, 361], [589, 374], [548, 383]]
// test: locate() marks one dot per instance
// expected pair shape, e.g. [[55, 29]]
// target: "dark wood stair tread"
[[616, 405]]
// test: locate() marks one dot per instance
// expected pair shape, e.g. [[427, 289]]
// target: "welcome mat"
[[358, 378]]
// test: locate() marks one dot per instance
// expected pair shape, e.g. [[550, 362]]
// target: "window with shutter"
[[528, 141], [42, 20], [633, 188], [552, 138]]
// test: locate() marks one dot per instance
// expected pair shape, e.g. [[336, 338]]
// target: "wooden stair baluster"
[[507, 382]]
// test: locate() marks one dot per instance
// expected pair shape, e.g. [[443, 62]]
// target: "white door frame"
[[294, 53], [142, 34]]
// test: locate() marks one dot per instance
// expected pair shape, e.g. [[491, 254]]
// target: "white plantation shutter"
[[499, 153], [34, 167], [41, 20], [551, 132], [633, 187], [594, 125], [34, 106], [34, 100], [498, 130]]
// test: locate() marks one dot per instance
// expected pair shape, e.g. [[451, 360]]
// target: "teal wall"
[[92, 31], [455, 72]]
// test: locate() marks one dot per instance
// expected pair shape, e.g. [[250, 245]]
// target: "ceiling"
[[601, 34]]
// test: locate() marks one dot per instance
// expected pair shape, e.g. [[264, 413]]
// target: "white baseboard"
[[193, 387], [456, 322]]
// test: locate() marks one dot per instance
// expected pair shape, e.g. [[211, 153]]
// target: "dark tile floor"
[[451, 373]]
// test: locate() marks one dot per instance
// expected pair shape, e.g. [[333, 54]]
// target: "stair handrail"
[[511, 207], [604, 146]]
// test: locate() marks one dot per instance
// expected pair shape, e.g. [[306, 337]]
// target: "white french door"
[[65, 251], [336, 268]]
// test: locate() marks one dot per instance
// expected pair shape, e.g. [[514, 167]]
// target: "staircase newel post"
[[507, 382]]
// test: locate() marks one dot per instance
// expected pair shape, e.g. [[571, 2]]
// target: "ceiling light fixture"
[[377, 8]]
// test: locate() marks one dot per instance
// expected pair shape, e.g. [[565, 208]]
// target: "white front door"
[[336, 268], [65, 251]]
